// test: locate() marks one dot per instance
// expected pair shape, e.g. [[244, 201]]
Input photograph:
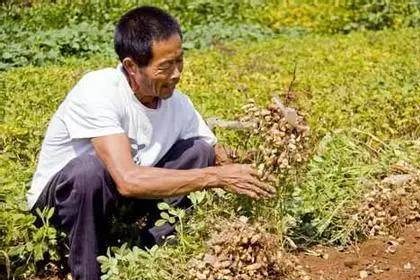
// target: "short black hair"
[[139, 28]]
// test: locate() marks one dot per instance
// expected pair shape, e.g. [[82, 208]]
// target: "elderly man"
[[127, 134]]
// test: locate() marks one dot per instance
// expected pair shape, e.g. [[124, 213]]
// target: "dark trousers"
[[84, 196]]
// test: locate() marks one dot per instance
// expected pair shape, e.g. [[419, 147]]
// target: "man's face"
[[160, 76]]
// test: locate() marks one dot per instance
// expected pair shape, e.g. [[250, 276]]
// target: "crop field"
[[346, 174]]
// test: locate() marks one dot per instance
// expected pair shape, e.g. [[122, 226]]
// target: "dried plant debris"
[[392, 203], [240, 251], [284, 135]]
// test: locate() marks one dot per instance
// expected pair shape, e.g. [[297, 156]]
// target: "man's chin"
[[166, 95]]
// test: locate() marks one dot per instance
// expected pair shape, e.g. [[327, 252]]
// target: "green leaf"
[[102, 259], [163, 206], [164, 215], [160, 222], [50, 213], [173, 211]]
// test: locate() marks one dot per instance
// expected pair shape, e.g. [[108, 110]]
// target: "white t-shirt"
[[102, 103]]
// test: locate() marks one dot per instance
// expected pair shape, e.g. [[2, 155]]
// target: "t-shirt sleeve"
[[90, 112], [195, 125]]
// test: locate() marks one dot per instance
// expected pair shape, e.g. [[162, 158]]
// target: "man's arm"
[[152, 182]]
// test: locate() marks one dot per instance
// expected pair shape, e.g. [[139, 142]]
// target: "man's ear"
[[130, 66], [131, 70]]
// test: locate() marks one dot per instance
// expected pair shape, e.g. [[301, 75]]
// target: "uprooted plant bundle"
[[236, 249], [392, 203], [283, 135], [240, 251]]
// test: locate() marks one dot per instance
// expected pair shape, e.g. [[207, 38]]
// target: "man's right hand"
[[243, 179]]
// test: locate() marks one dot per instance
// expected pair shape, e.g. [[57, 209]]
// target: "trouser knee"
[[84, 185], [188, 154], [87, 174], [204, 152]]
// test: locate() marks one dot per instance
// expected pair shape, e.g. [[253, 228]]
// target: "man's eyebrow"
[[169, 60]]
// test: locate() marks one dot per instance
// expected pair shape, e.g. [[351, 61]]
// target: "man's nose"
[[176, 74]]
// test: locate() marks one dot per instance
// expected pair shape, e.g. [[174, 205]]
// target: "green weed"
[[40, 32]]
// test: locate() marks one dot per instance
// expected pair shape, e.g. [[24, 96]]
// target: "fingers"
[[260, 191], [243, 179], [267, 187], [250, 170], [263, 186], [252, 191], [257, 182], [249, 193], [245, 190]]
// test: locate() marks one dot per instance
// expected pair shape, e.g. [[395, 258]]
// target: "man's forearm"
[[153, 182]]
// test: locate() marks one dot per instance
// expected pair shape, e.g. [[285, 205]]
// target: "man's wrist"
[[213, 177]]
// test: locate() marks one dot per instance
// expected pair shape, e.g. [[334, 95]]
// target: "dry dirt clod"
[[408, 267], [363, 274], [210, 259], [351, 262], [391, 249], [377, 270], [397, 180]]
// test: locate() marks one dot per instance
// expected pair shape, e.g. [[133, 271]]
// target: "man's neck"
[[148, 101]]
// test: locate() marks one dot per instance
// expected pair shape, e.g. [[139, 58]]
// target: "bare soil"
[[379, 258]]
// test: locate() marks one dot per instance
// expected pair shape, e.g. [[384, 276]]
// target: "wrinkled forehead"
[[168, 49]]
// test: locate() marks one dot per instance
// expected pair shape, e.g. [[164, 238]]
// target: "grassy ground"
[[360, 94]]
